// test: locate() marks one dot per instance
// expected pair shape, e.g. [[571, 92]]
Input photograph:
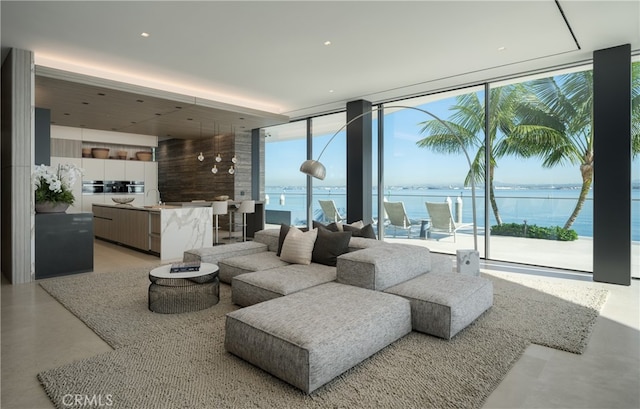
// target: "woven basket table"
[[174, 293]]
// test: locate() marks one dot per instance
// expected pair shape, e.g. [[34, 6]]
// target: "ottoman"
[[310, 337], [443, 304], [253, 288], [381, 267]]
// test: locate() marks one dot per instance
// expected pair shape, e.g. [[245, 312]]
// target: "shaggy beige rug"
[[179, 360]]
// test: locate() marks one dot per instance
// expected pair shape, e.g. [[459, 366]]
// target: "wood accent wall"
[[181, 177]]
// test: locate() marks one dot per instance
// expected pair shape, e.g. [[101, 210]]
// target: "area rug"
[[179, 360]]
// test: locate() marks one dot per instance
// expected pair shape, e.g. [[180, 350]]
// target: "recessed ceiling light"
[[327, 42], [102, 94], [85, 103], [502, 48], [330, 91], [144, 34], [139, 100]]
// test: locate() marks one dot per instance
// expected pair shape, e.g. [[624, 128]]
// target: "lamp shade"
[[313, 168]]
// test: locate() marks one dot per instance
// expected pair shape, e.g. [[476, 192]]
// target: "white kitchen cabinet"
[[114, 169], [93, 169], [134, 170]]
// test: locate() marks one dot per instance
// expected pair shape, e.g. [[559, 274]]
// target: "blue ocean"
[[543, 206]]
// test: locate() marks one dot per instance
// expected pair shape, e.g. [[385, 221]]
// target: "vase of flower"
[[53, 187], [51, 207]]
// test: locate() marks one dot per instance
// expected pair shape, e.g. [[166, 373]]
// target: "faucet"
[[151, 190]]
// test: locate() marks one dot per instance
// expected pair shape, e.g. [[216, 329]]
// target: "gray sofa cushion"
[[216, 253], [233, 266], [268, 237], [253, 288], [380, 267], [310, 337], [442, 304]]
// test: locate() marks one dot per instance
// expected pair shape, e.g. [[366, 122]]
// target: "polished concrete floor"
[[38, 334]]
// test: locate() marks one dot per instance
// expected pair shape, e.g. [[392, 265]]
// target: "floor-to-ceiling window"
[[285, 187], [539, 207], [543, 158], [332, 190], [635, 171], [426, 169]]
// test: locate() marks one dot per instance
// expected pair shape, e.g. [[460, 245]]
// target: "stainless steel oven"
[[93, 187]]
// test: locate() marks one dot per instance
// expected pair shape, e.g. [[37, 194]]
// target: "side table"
[[174, 293]]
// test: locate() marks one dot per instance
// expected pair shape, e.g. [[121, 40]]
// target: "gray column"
[[17, 159], [612, 174], [359, 165]]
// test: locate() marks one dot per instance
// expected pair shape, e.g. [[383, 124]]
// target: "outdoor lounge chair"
[[330, 211], [398, 217], [442, 219]]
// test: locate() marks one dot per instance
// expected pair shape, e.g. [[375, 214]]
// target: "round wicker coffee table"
[[174, 293]]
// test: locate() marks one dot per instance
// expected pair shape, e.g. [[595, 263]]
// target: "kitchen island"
[[164, 230]]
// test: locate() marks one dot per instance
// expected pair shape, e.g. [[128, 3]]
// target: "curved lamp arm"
[[317, 170]]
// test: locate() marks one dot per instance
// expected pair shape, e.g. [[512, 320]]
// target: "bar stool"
[[246, 206], [219, 208]]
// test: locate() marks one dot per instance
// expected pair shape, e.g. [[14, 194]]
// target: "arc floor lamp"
[[316, 169]]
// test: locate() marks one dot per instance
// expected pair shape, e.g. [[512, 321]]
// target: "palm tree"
[[556, 125], [468, 123]]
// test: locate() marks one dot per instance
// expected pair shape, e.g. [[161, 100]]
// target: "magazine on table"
[[185, 266]]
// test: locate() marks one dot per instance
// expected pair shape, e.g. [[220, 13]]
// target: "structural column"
[[17, 159], [612, 173], [359, 165]]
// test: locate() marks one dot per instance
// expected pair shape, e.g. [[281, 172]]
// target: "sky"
[[406, 164]]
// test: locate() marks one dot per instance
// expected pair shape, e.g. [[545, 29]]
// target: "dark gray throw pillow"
[[329, 245], [331, 226], [284, 229], [366, 232]]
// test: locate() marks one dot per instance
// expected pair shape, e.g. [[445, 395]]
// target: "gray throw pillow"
[[366, 232], [329, 245]]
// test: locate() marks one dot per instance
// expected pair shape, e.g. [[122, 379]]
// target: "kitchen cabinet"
[[63, 244], [114, 169], [167, 231], [134, 170], [93, 169], [125, 225]]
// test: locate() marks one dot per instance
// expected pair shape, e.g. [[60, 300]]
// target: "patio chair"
[[442, 219], [397, 217], [330, 211]]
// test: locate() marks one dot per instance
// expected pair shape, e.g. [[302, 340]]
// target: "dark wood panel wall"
[[182, 177]]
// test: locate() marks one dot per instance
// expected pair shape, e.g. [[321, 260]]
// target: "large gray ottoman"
[[253, 288], [443, 304], [310, 337], [381, 267]]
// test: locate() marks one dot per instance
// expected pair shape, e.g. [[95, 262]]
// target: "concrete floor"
[[38, 333]]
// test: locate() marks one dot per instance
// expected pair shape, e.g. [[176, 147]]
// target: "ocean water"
[[542, 206]]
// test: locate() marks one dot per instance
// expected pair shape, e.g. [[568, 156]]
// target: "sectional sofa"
[[308, 321]]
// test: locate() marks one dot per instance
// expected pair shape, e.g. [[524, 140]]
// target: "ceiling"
[[206, 64]]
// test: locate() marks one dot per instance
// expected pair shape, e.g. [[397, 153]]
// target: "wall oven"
[[93, 187]]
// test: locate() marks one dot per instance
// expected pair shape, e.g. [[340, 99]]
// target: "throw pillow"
[[359, 224], [298, 246], [366, 231], [331, 226], [329, 245], [284, 229]]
